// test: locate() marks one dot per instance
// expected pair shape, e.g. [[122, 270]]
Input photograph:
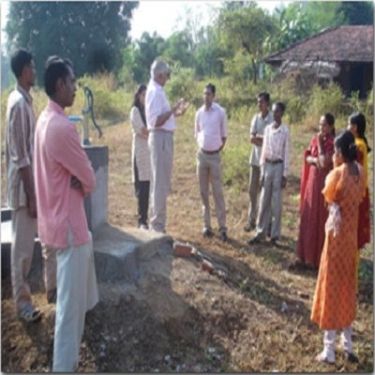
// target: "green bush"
[[182, 85], [322, 100], [236, 164]]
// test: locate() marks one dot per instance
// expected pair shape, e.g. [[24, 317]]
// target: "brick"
[[182, 250], [207, 266]]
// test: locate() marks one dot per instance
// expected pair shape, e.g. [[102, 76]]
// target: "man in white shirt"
[[211, 135], [258, 124], [274, 163], [160, 118]]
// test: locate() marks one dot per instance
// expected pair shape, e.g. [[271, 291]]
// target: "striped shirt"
[[20, 120], [276, 146], [258, 124]]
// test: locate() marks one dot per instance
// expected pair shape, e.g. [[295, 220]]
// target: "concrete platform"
[[6, 239], [118, 251]]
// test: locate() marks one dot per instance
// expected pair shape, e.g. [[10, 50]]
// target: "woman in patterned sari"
[[334, 304], [317, 164]]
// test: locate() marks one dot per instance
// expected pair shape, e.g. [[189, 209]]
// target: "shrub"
[[324, 100], [182, 85], [236, 164]]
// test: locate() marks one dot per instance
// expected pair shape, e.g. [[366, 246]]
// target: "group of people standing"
[[49, 175], [153, 124], [334, 196]]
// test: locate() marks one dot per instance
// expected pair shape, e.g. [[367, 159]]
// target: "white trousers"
[[161, 154], [77, 293]]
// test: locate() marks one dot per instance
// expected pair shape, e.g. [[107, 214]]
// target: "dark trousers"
[[142, 192]]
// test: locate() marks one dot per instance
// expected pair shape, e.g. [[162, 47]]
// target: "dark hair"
[[345, 143], [265, 96], [55, 68], [281, 105], [137, 102], [19, 60], [330, 121], [211, 87], [359, 120]]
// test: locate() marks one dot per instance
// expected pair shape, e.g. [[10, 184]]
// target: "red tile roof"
[[343, 43]]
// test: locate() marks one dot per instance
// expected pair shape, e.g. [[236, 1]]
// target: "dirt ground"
[[180, 318]]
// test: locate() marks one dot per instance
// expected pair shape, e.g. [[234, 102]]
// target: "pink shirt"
[[210, 127], [58, 156]]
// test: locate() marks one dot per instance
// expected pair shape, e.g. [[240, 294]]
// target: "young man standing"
[[63, 176], [258, 124], [274, 163], [19, 144], [211, 135]]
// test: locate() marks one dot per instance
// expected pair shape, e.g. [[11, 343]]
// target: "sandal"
[[51, 296], [29, 314], [325, 358]]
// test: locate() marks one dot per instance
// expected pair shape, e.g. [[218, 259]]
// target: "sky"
[[168, 16], [164, 17]]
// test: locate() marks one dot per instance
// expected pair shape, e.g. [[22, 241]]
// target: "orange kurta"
[[334, 304]]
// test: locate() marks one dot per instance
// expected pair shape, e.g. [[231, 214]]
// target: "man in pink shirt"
[[63, 176], [211, 135]]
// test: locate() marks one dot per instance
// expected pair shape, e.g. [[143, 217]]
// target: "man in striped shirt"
[[20, 120], [274, 163]]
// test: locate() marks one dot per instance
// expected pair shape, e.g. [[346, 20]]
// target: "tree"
[[179, 48], [91, 34], [357, 12], [209, 53], [246, 28], [300, 20], [146, 50]]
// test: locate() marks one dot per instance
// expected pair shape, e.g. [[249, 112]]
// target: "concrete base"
[[118, 251], [96, 204], [6, 240]]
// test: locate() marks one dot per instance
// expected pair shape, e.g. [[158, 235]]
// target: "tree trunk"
[[255, 71]]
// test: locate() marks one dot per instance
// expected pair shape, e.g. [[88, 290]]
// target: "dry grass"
[[269, 340]]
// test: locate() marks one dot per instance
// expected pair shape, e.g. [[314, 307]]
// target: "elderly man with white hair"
[[160, 118]]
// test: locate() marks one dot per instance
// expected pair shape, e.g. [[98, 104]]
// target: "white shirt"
[[276, 146], [210, 127], [156, 103], [258, 124]]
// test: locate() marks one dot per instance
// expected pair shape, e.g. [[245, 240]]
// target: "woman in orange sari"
[[334, 304], [317, 164]]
